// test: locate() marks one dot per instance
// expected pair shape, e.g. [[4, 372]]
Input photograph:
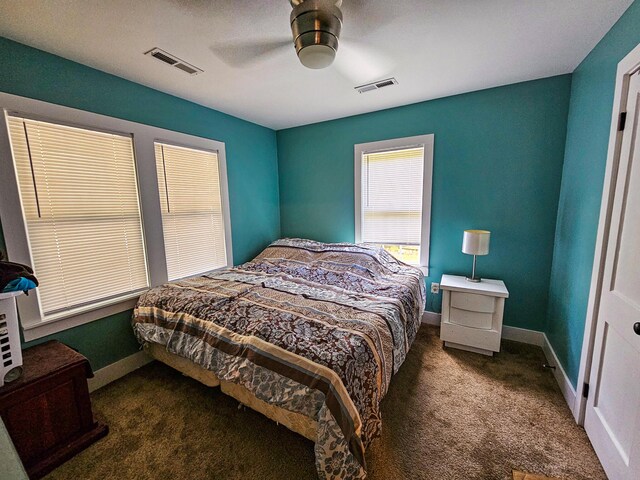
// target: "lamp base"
[[473, 277]]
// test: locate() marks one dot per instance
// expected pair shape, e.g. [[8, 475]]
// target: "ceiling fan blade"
[[361, 64], [245, 54]]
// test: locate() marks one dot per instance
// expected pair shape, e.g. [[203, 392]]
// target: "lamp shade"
[[476, 242]]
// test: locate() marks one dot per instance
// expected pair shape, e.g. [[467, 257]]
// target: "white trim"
[[523, 335], [627, 65], [144, 137], [566, 387], [425, 141], [431, 318], [118, 369]]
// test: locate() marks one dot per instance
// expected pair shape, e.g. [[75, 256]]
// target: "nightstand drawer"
[[471, 319], [473, 302]]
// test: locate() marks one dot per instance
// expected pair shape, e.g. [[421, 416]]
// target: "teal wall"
[[251, 160], [593, 84], [497, 165], [499, 157]]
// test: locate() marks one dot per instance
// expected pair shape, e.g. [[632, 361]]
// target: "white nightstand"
[[472, 314]]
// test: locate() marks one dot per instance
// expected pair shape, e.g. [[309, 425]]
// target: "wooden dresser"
[[47, 411]]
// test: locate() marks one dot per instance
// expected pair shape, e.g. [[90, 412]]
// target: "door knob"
[[636, 328]]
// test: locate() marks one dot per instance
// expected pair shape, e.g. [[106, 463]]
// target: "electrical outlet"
[[435, 288]]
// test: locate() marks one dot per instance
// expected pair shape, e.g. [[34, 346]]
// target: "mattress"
[[310, 328]]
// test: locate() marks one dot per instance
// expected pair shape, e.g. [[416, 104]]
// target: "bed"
[[307, 333]]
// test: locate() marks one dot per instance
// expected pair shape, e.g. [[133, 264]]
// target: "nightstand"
[[472, 314], [47, 411]]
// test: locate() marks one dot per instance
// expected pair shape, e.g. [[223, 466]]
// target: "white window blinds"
[[80, 199], [192, 219], [392, 196]]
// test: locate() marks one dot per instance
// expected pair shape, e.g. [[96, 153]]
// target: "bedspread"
[[314, 328]]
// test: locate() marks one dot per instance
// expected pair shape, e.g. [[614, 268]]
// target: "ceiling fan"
[[316, 26]]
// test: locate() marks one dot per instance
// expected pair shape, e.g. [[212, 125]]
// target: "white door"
[[612, 417]]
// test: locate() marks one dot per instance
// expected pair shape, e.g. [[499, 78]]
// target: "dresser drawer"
[[473, 302]]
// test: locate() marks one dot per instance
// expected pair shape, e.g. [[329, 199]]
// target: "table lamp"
[[475, 242]]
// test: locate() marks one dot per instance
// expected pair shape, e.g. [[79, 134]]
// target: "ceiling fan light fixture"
[[316, 26], [317, 56]]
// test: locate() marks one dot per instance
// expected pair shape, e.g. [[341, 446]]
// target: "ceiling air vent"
[[173, 61], [367, 87]]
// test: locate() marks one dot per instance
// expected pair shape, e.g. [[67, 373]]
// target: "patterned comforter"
[[314, 328]]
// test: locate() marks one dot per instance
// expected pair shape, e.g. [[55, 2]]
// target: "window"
[[83, 202], [80, 201], [192, 220], [393, 196]]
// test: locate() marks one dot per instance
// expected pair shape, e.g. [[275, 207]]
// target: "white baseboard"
[[566, 387], [118, 369], [523, 335], [431, 318]]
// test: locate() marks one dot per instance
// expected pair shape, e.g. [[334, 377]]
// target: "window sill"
[[424, 270], [74, 318]]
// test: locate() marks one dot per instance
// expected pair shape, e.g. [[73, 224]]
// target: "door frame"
[[626, 67]]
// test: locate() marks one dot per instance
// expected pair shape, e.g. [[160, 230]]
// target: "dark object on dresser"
[[47, 412], [13, 272]]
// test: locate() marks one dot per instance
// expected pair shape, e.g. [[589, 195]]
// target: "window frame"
[[144, 137], [104, 301], [425, 141], [225, 213]]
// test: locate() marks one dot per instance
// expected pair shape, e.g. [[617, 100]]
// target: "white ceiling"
[[434, 48]]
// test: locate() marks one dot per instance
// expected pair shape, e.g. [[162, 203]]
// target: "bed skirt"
[[296, 422]]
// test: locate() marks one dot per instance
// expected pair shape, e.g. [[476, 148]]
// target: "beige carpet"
[[449, 414], [529, 476]]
